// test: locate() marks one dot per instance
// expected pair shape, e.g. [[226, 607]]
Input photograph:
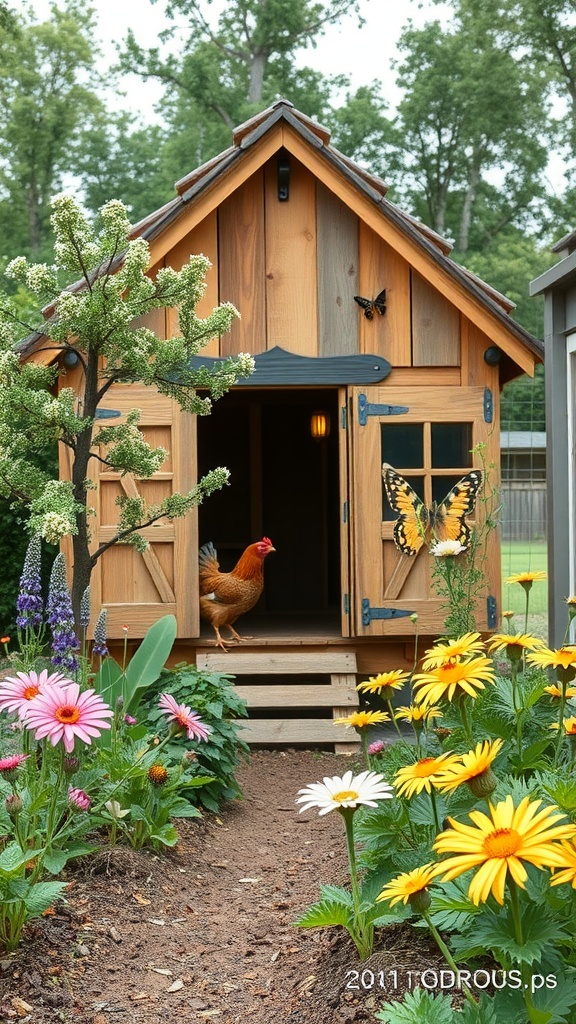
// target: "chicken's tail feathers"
[[207, 557]]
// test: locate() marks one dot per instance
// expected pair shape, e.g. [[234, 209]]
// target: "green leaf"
[[167, 835], [12, 859], [55, 860], [41, 896], [325, 913], [148, 661], [496, 932], [418, 1007]]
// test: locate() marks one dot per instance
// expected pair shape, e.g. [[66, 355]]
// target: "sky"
[[365, 53]]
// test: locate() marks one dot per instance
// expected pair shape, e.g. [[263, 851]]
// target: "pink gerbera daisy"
[[186, 718], [17, 691], [62, 713]]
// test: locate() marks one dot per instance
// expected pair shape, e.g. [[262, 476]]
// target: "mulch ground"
[[206, 931]]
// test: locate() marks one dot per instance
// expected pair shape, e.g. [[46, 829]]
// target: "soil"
[[206, 931]]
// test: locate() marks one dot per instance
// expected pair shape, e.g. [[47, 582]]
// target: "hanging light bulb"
[[320, 425]]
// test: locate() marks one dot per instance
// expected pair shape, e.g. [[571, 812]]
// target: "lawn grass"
[[521, 556]]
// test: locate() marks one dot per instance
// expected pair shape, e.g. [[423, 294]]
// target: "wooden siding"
[[381, 267], [241, 235], [203, 239], [338, 321], [435, 326], [291, 278]]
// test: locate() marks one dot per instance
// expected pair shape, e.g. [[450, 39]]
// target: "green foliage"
[[418, 1007], [96, 321], [212, 695]]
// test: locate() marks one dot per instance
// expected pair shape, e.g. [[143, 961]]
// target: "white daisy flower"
[[447, 548], [349, 791]]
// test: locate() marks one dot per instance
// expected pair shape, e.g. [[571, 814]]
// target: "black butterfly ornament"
[[371, 306]]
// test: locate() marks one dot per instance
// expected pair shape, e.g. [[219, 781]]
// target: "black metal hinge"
[[369, 613], [346, 604], [491, 611], [345, 512], [366, 409], [344, 418]]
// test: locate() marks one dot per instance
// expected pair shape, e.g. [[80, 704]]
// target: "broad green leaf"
[[41, 896], [167, 835], [12, 859], [54, 861], [148, 661]]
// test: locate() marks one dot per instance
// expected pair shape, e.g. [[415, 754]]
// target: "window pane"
[[451, 444], [442, 485], [402, 445], [388, 514]]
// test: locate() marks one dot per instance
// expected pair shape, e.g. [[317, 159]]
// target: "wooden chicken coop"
[[295, 231]]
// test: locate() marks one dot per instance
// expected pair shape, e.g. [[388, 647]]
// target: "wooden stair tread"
[[297, 696], [248, 663]]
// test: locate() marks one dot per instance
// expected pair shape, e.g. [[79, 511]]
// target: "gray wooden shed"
[[558, 285]]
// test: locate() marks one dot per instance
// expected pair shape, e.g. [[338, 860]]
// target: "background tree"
[[223, 75], [468, 116], [47, 96], [95, 321]]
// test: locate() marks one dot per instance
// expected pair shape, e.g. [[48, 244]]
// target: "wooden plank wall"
[[203, 239], [435, 326], [381, 267], [241, 234], [338, 319]]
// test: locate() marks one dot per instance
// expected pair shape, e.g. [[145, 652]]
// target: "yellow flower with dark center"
[[514, 644], [157, 775], [452, 679], [408, 885], [526, 579], [463, 647], [556, 692], [568, 871], [422, 775], [498, 845], [418, 713], [362, 719], [384, 681], [474, 768]]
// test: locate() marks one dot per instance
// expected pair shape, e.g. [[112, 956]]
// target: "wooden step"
[[247, 663], [339, 694]]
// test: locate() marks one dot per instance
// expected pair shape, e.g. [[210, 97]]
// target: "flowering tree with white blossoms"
[[94, 319]]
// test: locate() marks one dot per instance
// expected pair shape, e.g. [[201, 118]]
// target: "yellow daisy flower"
[[497, 845], [526, 579], [508, 615], [469, 643], [556, 692], [569, 726], [408, 885], [422, 775], [362, 719], [568, 872], [474, 768], [562, 657], [453, 678], [418, 713], [514, 644], [384, 681]]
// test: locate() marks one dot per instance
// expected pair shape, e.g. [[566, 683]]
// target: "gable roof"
[[282, 126]]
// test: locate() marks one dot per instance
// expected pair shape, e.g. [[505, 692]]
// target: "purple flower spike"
[[61, 618], [29, 604]]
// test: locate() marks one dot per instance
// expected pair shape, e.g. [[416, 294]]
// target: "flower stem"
[[435, 809], [393, 718], [465, 720], [533, 1013], [363, 932], [447, 954]]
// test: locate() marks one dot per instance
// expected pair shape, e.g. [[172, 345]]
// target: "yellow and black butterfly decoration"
[[417, 525], [372, 306]]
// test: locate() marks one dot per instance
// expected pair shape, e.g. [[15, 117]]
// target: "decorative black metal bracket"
[[369, 613], [366, 409]]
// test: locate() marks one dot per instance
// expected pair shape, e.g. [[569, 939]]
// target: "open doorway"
[[283, 484]]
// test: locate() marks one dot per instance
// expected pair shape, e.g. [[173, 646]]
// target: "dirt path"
[[206, 933]]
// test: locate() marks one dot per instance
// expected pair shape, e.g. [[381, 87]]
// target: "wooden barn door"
[[426, 433], [139, 588]]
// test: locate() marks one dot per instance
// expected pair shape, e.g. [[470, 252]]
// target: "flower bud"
[[420, 901], [483, 785], [13, 805], [157, 775]]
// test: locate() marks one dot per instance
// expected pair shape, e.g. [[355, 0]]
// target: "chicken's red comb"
[[266, 540]]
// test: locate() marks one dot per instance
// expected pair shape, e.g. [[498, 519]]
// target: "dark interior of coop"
[[284, 484]]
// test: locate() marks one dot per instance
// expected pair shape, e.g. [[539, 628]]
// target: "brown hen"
[[224, 596]]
